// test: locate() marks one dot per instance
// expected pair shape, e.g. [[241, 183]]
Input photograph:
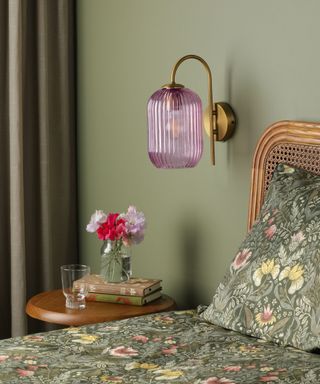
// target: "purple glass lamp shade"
[[175, 128]]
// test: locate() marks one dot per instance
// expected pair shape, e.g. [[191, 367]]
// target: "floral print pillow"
[[272, 289]]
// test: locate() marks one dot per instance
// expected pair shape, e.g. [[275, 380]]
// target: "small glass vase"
[[115, 261]]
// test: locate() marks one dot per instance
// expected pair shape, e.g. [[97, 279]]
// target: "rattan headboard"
[[292, 142]]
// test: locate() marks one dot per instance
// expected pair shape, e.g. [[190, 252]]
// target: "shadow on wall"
[[251, 106], [190, 251]]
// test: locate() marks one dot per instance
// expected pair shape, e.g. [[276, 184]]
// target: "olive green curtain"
[[38, 219]]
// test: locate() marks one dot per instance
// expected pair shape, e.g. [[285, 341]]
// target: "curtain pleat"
[[38, 195], [16, 174], [5, 268]]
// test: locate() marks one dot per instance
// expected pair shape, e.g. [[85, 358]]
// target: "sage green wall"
[[265, 60]]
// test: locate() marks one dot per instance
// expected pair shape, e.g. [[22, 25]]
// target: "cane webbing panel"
[[301, 156], [291, 142]]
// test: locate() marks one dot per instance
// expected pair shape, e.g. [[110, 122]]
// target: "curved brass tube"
[[212, 107]]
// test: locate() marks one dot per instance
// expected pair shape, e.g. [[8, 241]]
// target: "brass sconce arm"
[[219, 118], [211, 105], [176, 120]]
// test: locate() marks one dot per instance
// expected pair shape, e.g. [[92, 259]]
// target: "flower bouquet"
[[119, 231]]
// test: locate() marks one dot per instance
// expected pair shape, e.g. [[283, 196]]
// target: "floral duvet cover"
[[176, 347]]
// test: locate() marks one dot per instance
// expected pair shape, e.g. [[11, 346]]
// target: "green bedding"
[[176, 347]]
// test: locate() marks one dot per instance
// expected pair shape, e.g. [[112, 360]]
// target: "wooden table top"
[[49, 306]]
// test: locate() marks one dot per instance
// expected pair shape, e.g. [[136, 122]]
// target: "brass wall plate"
[[226, 121]]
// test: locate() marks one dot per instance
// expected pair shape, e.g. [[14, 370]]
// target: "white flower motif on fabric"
[[295, 275], [267, 267]]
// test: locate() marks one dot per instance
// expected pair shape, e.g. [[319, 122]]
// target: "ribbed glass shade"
[[175, 128]]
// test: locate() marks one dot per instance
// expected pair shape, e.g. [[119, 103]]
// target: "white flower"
[[99, 217], [267, 267], [296, 239], [295, 275]]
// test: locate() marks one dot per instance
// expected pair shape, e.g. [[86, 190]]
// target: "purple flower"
[[135, 224]]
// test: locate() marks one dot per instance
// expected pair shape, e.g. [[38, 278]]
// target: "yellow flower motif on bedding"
[[85, 339], [266, 369], [164, 319], [89, 337], [266, 317], [249, 348], [148, 366], [111, 379], [167, 374], [267, 267], [295, 275], [133, 365], [136, 365]]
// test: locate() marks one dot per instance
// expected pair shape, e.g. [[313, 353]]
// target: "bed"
[[263, 322]]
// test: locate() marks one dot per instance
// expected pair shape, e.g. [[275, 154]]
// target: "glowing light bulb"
[[175, 123]]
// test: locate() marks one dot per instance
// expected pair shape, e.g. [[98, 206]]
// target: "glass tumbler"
[[74, 289]]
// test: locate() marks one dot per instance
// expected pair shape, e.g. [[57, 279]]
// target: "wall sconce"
[[175, 123]]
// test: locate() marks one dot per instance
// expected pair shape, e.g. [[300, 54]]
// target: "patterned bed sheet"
[[176, 347]]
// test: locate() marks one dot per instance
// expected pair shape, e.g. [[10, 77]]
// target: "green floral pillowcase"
[[272, 290]]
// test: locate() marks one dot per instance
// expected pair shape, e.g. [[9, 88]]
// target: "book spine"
[[119, 299], [122, 290], [114, 290]]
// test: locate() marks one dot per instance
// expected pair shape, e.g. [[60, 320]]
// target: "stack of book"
[[135, 291]]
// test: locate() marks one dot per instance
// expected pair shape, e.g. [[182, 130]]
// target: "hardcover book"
[[123, 299], [132, 287]]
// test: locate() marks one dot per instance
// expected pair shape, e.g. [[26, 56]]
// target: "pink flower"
[[3, 357], [296, 239], [24, 372], [34, 338], [141, 338], [167, 319], [267, 378], [241, 258], [270, 231], [32, 367], [114, 228], [266, 317], [215, 380], [123, 351], [164, 319], [170, 351], [127, 227], [232, 368]]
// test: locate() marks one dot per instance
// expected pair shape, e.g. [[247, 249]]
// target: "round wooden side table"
[[50, 307]]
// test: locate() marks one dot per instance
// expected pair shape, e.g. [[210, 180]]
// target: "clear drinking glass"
[[75, 293]]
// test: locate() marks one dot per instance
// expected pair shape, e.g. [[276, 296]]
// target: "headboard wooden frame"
[[295, 143]]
